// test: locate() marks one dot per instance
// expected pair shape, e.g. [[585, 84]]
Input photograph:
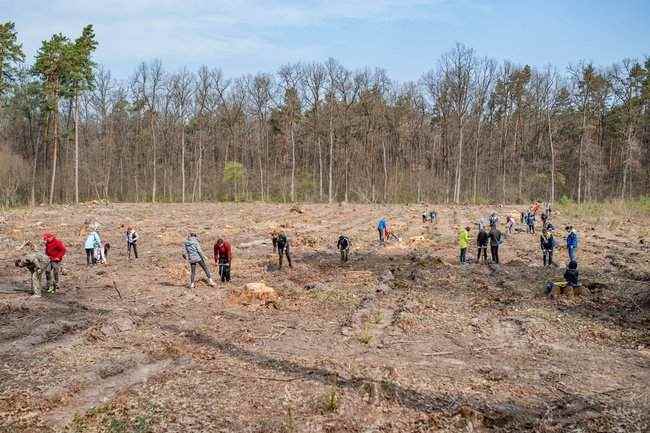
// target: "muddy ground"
[[402, 338]]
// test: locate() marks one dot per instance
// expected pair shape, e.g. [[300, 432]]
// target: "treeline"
[[470, 130]]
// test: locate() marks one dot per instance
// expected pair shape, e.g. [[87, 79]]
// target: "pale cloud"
[[198, 31]]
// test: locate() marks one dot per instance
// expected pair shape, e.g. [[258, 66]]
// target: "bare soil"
[[400, 339]]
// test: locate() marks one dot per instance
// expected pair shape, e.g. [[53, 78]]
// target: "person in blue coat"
[[572, 243], [92, 241], [382, 226]]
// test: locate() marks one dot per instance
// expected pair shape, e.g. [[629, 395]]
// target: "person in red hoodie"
[[223, 258], [54, 250]]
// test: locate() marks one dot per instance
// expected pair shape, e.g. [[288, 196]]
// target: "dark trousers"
[[531, 228], [381, 235], [52, 275], [463, 251], [90, 256], [224, 270], [193, 270], [548, 257], [482, 249], [282, 252], [345, 253], [494, 249], [132, 246]]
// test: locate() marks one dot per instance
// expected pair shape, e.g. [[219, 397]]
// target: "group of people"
[[193, 253], [49, 262], [46, 263], [493, 237]]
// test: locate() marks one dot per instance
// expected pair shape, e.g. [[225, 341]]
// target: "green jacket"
[[463, 238]]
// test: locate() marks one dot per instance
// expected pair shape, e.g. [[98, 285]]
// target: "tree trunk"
[[582, 138], [183, 162], [550, 140], [55, 149], [293, 162], [153, 142], [475, 183], [76, 149], [320, 170], [384, 161], [459, 162], [331, 162], [626, 161]]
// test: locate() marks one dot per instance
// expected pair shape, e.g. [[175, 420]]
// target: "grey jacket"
[[35, 262], [193, 251]]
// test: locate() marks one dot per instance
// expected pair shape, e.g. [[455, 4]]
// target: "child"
[[223, 259], [132, 242], [510, 223], [92, 243], [463, 243]]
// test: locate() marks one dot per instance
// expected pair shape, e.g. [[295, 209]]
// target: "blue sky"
[[406, 37]]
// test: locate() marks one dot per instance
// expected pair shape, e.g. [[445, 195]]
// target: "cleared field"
[[399, 339]]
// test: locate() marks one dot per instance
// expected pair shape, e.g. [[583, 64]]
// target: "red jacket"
[[222, 251], [55, 250]]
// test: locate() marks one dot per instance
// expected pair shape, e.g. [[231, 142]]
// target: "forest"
[[472, 129]]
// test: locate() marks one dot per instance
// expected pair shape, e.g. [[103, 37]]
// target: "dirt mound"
[[252, 292]]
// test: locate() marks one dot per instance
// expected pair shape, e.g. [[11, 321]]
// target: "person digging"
[[223, 259], [281, 245]]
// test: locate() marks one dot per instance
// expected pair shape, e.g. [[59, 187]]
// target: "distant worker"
[[510, 223], [495, 241], [572, 243], [281, 245], [482, 244], [93, 242], [193, 253], [131, 242], [223, 259], [382, 228], [493, 219], [547, 243], [571, 275], [343, 246], [463, 243], [430, 216], [37, 264], [535, 207], [530, 222], [55, 250]]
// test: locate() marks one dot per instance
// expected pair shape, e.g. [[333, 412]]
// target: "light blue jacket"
[[92, 241], [382, 224]]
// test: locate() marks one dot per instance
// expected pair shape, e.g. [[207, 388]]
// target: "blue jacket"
[[382, 224], [92, 241], [572, 240]]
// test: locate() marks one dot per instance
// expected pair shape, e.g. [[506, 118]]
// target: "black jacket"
[[495, 237], [343, 243], [572, 277], [482, 238]]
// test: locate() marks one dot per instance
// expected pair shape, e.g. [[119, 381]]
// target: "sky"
[[405, 37]]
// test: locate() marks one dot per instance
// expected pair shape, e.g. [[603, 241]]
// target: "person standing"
[[55, 251], [547, 243], [223, 259], [281, 245], [572, 243], [495, 241], [194, 255], [530, 222], [132, 242], [463, 243], [343, 246], [510, 223], [482, 242], [92, 243]]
